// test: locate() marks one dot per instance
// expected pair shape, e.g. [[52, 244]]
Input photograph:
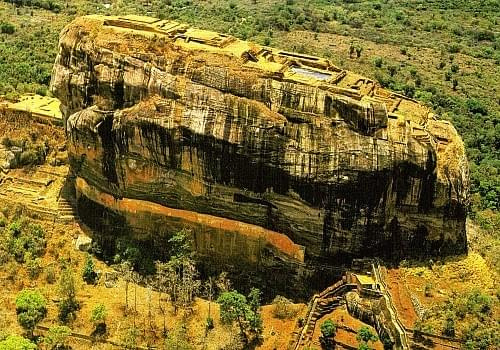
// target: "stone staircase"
[[66, 208], [66, 203], [322, 304]]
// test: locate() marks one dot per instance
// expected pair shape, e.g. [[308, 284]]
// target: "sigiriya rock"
[[273, 159]]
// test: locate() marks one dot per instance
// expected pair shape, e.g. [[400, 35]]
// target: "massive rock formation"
[[272, 158]]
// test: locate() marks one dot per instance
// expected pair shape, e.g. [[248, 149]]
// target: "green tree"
[[67, 293], [364, 336], [15, 342], [328, 330], [180, 244], [98, 318], [31, 309], [235, 307], [88, 273], [57, 337]]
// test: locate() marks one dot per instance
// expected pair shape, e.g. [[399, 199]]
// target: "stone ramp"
[[321, 305]]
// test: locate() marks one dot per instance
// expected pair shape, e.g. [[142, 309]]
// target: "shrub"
[[366, 335], [50, 275], [449, 327], [88, 273], [355, 21], [236, 307], [454, 68], [209, 323], [282, 308], [28, 157], [483, 35], [31, 309], [454, 48], [475, 106], [409, 90], [378, 61], [98, 318], [393, 69], [67, 310], [25, 238], [57, 336], [15, 342], [7, 28], [328, 328], [68, 306], [33, 266]]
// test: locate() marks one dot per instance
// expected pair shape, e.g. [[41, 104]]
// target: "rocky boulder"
[[272, 158]]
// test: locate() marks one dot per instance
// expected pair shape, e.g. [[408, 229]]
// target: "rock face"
[[271, 157]]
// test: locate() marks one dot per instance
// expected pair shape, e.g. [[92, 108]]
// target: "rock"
[[83, 243], [110, 279], [271, 158], [10, 160]]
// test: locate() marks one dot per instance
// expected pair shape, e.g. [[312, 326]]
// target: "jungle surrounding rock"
[[273, 159]]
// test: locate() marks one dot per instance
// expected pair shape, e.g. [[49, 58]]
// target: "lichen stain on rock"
[[259, 140]]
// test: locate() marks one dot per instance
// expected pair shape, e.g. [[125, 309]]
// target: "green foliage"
[[235, 307], [180, 244], [328, 328], [393, 69], [449, 327], [98, 318], [88, 273], [7, 28], [468, 316], [378, 61], [15, 342], [49, 5], [68, 305], [67, 310], [33, 266], [98, 314], [57, 337], [475, 106], [50, 275], [25, 239], [31, 308], [364, 336], [209, 323]]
